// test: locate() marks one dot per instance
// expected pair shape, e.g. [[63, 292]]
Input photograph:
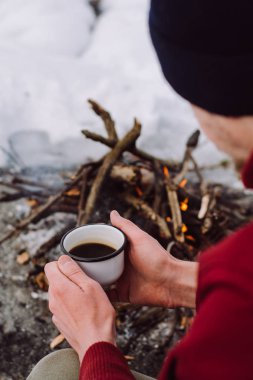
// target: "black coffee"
[[91, 250]]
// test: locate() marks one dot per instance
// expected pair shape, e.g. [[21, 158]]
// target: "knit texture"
[[247, 173], [206, 52], [103, 361]]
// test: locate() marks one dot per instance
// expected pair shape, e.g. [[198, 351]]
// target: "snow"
[[55, 54], [52, 26]]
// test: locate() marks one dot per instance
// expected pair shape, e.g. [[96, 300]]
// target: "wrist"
[[183, 285], [105, 334]]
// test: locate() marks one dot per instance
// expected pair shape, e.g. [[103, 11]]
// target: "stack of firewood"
[[162, 195]]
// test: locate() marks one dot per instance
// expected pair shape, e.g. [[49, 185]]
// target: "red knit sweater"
[[219, 345]]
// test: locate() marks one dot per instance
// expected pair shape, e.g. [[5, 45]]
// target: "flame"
[[184, 205], [168, 219], [139, 191], [32, 202], [183, 183], [189, 237], [184, 228], [73, 192], [166, 171]]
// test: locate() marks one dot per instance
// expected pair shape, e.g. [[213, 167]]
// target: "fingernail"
[[115, 212], [64, 259]]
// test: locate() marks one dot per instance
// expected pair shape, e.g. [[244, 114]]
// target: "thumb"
[[72, 270], [129, 228]]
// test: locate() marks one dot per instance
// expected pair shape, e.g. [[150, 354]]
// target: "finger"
[[50, 270], [58, 282], [72, 270], [130, 229]]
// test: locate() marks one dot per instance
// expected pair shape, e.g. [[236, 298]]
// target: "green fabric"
[[60, 365], [140, 376], [63, 365]]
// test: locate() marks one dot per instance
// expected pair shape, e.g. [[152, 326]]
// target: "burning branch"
[[149, 213]]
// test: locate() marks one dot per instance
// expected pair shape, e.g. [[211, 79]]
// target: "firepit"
[[170, 200]]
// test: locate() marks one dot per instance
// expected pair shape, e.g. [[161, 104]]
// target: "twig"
[[158, 187], [40, 210], [107, 119], [53, 241], [28, 182], [191, 144], [82, 199], [208, 218], [149, 213], [138, 152], [171, 190], [105, 168], [98, 138]]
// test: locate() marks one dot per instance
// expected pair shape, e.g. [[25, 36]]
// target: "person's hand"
[[151, 275], [81, 310]]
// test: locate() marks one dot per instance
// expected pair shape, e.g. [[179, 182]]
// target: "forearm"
[[182, 286]]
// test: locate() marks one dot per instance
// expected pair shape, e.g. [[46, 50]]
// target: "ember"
[[139, 191], [183, 183], [184, 204], [166, 171]]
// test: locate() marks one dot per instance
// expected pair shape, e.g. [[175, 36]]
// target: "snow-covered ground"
[[54, 54]]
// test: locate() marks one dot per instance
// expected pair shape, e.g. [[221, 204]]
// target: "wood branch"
[[176, 215], [128, 140], [53, 241], [149, 213], [61, 207], [125, 173], [132, 175], [208, 219], [57, 341], [107, 119], [28, 182], [98, 138], [82, 199], [205, 201], [158, 187], [138, 152], [206, 196], [19, 192], [191, 144], [36, 213]]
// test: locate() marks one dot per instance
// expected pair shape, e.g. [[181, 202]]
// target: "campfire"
[[170, 200], [187, 214]]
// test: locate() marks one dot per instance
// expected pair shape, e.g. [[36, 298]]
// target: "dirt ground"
[[26, 329], [144, 334]]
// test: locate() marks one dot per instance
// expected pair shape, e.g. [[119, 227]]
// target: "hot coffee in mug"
[[98, 249]]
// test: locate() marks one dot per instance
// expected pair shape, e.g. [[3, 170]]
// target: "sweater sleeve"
[[103, 361], [219, 344]]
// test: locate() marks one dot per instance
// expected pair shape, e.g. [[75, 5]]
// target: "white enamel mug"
[[106, 270]]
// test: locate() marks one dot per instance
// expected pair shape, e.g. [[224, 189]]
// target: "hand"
[[80, 307], [152, 276]]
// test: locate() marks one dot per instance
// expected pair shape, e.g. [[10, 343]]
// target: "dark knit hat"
[[205, 48]]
